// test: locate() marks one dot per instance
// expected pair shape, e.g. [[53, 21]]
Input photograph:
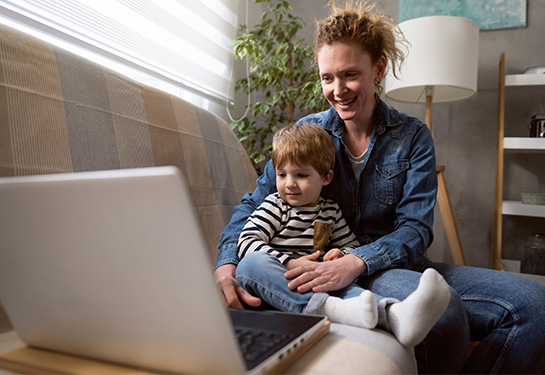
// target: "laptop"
[[112, 265]]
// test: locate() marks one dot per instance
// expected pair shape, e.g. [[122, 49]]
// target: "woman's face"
[[348, 80]]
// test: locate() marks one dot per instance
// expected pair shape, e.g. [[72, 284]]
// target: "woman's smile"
[[346, 102]]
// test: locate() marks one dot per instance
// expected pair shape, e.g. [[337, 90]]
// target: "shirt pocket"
[[389, 180], [322, 234]]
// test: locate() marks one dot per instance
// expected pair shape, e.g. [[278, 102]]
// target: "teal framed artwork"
[[487, 14]]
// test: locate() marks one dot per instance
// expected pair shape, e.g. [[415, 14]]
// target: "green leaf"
[[281, 73]]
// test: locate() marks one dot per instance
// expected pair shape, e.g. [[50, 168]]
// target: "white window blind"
[[185, 44]]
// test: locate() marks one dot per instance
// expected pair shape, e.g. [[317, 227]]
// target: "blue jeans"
[[503, 311], [506, 313], [263, 275]]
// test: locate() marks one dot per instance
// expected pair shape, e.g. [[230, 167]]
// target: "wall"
[[465, 135], [466, 143]]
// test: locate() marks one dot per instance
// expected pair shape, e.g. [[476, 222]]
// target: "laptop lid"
[[112, 265]]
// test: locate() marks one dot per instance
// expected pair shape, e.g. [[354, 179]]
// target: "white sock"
[[411, 319], [361, 311]]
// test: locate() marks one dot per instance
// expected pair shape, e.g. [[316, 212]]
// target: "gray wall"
[[465, 135]]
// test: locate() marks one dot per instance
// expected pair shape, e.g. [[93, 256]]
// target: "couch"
[[60, 113]]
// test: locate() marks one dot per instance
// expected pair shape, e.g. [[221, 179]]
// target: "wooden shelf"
[[524, 144], [517, 208]]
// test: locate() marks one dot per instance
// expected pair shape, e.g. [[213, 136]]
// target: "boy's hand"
[[333, 254], [302, 261]]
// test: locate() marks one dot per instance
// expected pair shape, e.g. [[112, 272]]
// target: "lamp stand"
[[429, 103], [443, 199]]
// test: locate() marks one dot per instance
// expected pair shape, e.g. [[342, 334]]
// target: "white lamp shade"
[[443, 54]]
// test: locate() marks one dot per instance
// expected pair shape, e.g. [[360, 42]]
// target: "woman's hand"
[[326, 276], [306, 260], [233, 293]]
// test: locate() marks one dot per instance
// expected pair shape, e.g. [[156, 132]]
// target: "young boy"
[[295, 226]]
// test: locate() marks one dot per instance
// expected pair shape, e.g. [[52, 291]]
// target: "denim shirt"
[[390, 208]]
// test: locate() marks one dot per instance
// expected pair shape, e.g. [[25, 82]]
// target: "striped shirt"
[[289, 232]]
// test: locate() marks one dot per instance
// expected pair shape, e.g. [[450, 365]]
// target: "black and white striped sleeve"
[[260, 228]]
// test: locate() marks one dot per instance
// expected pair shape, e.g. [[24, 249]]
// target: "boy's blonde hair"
[[303, 144]]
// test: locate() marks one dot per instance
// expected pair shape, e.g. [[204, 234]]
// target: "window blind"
[[185, 43]]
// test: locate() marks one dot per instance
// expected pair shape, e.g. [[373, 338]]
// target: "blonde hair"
[[303, 144], [362, 23]]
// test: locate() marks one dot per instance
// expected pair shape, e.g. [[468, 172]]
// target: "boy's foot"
[[361, 311], [411, 319]]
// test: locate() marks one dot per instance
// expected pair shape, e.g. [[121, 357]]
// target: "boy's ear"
[[327, 178]]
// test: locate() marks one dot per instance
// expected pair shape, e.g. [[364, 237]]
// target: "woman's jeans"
[[506, 313]]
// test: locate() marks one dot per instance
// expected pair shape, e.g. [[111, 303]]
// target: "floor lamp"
[[441, 67]]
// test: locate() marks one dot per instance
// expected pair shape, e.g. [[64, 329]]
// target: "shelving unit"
[[512, 144], [524, 79], [522, 144], [520, 209]]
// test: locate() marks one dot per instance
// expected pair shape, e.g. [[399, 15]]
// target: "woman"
[[385, 183]]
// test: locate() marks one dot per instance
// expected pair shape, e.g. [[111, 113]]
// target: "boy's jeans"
[[263, 275]]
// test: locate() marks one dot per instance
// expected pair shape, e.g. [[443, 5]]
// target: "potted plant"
[[282, 73]]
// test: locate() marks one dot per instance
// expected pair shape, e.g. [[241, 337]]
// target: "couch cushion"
[[353, 350], [61, 113]]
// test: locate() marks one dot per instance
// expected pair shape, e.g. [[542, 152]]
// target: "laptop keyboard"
[[259, 344]]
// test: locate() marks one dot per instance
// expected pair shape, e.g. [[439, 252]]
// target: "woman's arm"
[[227, 258], [227, 248]]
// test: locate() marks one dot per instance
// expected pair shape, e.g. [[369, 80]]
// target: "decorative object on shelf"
[[537, 126], [533, 198], [535, 70], [441, 67], [533, 255]]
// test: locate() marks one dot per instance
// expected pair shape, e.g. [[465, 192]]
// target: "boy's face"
[[300, 186]]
